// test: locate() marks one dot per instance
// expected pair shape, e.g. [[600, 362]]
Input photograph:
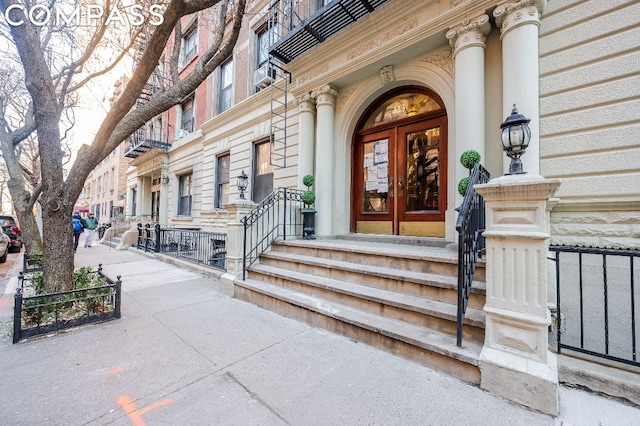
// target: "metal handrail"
[[470, 226], [278, 215]]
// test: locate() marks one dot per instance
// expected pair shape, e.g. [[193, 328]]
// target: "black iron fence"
[[47, 313], [201, 247], [31, 262], [597, 301], [278, 215], [470, 226]]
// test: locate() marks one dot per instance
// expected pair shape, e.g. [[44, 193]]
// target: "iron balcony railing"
[[193, 245], [597, 301], [470, 226], [278, 215]]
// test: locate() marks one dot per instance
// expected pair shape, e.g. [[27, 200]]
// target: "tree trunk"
[[57, 269], [26, 219]]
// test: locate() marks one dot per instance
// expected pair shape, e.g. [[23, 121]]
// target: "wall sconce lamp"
[[164, 179], [515, 137], [243, 181]]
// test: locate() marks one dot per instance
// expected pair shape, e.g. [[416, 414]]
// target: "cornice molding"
[[330, 60]]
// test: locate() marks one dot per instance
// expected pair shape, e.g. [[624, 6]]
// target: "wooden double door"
[[400, 178]]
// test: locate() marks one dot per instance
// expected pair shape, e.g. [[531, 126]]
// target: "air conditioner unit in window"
[[181, 133], [263, 76]]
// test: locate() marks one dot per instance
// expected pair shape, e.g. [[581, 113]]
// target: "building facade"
[[381, 111]]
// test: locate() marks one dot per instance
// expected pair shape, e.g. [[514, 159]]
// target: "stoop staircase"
[[381, 291]]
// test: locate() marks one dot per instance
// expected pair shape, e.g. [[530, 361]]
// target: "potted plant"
[[308, 198], [468, 159]]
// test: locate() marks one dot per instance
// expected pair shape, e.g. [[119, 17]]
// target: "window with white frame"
[[222, 180], [190, 45], [187, 122], [262, 171], [265, 36], [225, 96], [184, 188]]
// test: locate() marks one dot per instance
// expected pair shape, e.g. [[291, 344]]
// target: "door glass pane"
[[423, 150], [376, 176], [402, 106]]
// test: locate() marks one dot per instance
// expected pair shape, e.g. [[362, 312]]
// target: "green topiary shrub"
[[308, 198], [470, 158], [463, 184], [308, 181]]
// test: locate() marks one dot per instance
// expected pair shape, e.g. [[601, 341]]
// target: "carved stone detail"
[[442, 59], [344, 95], [312, 75], [518, 13], [471, 32], [383, 39], [386, 74], [326, 95], [306, 103]]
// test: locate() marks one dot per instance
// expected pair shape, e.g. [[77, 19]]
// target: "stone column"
[[140, 196], [236, 209], [325, 147], [306, 136], [164, 192], [468, 41], [515, 361], [519, 23]]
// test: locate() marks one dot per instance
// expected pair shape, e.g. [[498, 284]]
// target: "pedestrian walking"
[[92, 225], [78, 227]]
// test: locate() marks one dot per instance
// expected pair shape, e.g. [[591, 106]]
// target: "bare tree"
[[49, 84]]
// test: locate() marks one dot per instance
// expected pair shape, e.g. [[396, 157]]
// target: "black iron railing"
[[278, 215], [31, 262], [50, 312], [470, 226], [596, 301], [191, 244]]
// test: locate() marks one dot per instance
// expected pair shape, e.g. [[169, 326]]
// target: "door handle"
[[400, 189], [391, 187]]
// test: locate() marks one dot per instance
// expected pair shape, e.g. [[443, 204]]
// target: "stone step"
[[431, 348], [434, 260], [435, 315], [433, 286]]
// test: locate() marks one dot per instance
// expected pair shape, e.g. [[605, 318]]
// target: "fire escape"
[[147, 136], [295, 27]]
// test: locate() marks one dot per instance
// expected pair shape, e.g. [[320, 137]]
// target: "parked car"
[[12, 230], [5, 241]]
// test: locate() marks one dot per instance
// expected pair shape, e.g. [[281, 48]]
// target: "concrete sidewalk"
[[184, 354]]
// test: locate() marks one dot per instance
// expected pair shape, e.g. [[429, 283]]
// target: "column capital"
[[522, 12], [306, 103], [472, 32], [326, 95]]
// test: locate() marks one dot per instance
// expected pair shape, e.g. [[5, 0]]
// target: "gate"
[[597, 301]]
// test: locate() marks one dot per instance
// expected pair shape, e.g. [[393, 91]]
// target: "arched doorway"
[[399, 170]]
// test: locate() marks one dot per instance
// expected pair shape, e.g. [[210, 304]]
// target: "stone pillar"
[[468, 41], [164, 192], [306, 136], [325, 147], [515, 361], [139, 196], [519, 23], [236, 209]]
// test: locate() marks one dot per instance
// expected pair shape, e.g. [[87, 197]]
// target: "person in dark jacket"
[[78, 224]]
